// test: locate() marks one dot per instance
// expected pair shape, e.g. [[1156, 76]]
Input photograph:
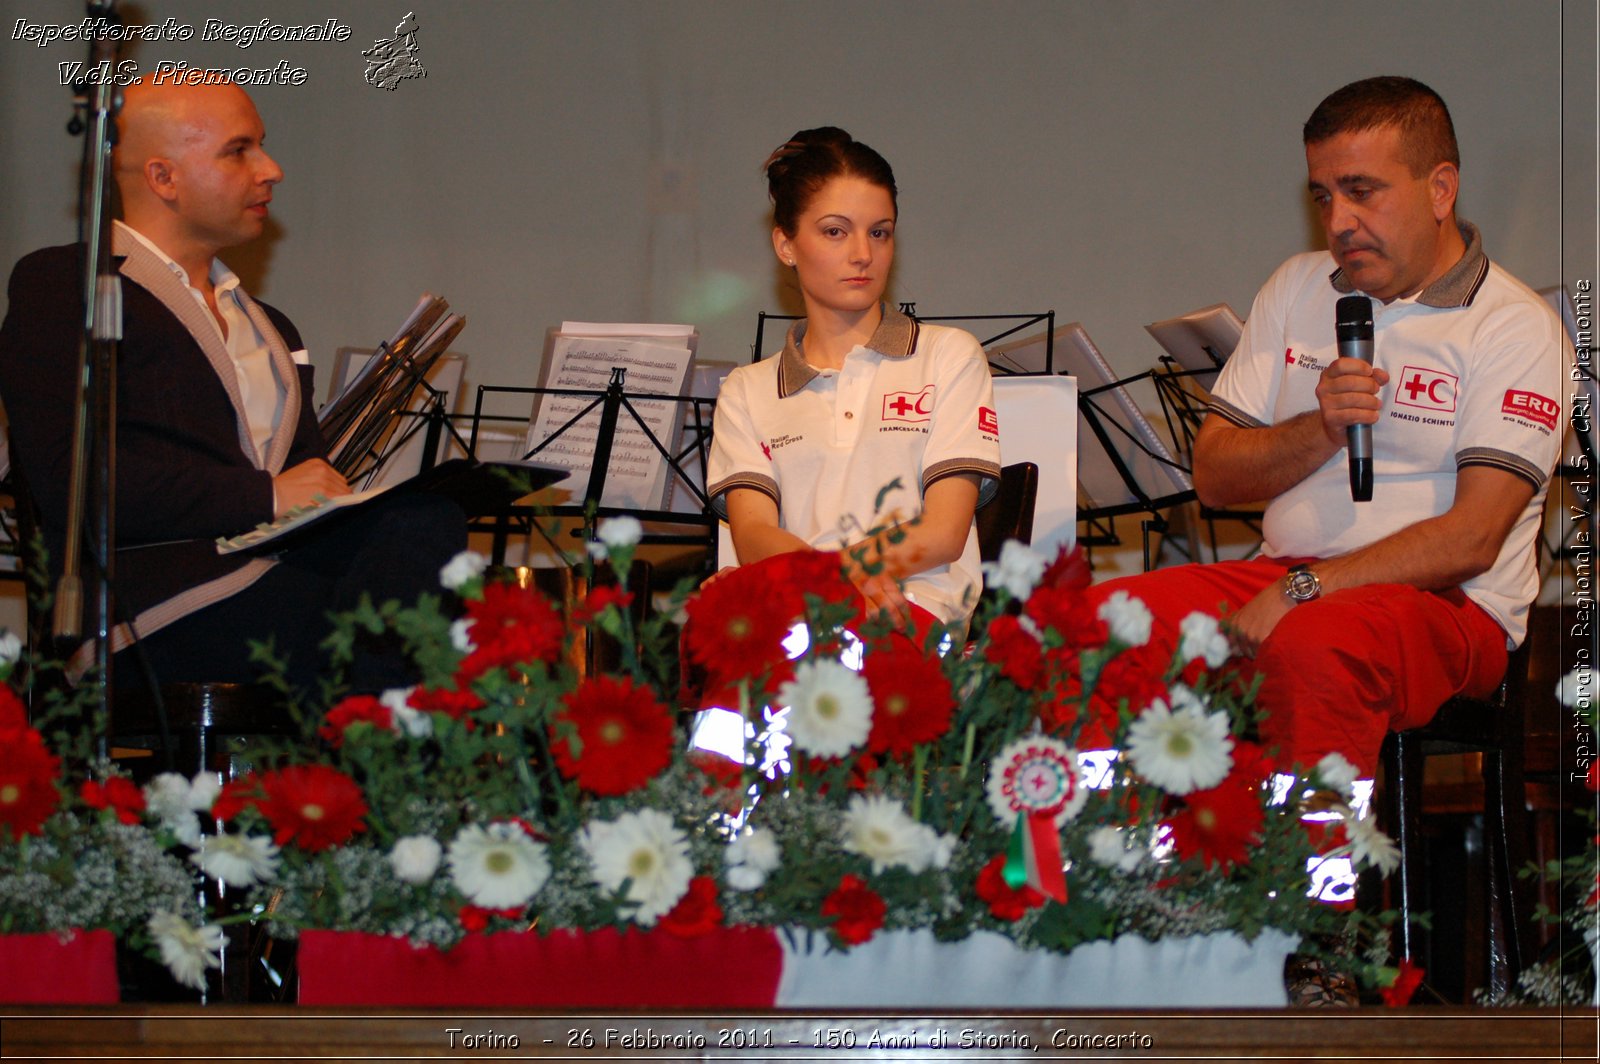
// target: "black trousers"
[[392, 549]]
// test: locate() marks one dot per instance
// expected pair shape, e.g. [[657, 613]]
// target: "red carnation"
[[598, 600], [1070, 569], [475, 919], [1219, 824], [236, 796], [510, 625], [314, 806], [1398, 993], [28, 793], [911, 697], [1016, 651], [624, 735], [858, 909], [452, 703], [117, 793], [1593, 778], [697, 912], [811, 572], [357, 709], [1067, 613], [1004, 902]]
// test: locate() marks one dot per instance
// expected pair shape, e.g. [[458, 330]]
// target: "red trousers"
[[1342, 671]]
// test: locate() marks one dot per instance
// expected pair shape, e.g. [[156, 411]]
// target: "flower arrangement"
[[508, 792], [83, 848]]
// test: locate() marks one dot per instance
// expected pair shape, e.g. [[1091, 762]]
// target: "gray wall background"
[[1117, 162]]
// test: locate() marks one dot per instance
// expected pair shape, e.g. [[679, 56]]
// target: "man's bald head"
[[191, 168]]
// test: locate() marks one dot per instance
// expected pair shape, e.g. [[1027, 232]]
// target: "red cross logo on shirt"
[[766, 450], [908, 406], [1428, 389]]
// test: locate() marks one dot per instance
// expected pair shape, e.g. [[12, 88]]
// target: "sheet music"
[[637, 474]]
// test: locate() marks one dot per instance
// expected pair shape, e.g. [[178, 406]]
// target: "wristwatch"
[[1301, 584]]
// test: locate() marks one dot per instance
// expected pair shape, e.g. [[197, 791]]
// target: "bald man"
[[215, 427]]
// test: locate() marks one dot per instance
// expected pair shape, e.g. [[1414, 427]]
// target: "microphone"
[[1353, 326]]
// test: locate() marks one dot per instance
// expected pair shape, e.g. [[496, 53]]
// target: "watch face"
[[1303, 585]]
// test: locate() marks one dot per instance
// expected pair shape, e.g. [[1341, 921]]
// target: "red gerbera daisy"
[[117, 793], [28, 793], [598, 600], [697, 912], [910, 697], [858, 909], [1004, 902], [1219, 824], [737, 625], [357, 709], [623, 733], [510, 625], [314, 806]]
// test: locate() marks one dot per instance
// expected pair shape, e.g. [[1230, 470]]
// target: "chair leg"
[[1401, 803], [1505, 830]]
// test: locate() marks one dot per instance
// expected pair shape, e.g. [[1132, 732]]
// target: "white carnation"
[[464, 567], [1337, 773], [615, 533], [1576, 688], [1018, 570], [750, 858], [10, 647], [1112, 847], [1201, 636], [1128, 618], [461, 635], [415, 858]]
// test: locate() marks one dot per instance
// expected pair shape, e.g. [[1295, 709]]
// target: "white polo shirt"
[[843, 451], [1476, 365]]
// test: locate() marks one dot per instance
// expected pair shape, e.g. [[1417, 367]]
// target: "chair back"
[[1009, 514]]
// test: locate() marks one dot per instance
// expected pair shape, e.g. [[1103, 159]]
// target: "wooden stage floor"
[[169, 1032]]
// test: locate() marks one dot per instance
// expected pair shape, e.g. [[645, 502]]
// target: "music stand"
[[1131, 470], [612, 403], [1197, 345]]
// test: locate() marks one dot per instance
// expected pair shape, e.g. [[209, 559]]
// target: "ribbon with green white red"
[[1035, 785]]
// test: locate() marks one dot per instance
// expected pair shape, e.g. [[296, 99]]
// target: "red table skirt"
[[49, 970], [731, 967]]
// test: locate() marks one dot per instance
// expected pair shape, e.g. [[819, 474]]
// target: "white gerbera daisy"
[[879, 829], [1201, 636], [1018, 570], [646, 850], [498, 866], [750, 858], [1113, 848], [466, 566], [830, 708], [1128, 618], [1337, 774], [1180, 751], [187, 951], [415, 858], [237, 860], [1370, 846]]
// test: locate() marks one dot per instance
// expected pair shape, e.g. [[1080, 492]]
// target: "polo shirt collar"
[[1456, 287], [895, 337]]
